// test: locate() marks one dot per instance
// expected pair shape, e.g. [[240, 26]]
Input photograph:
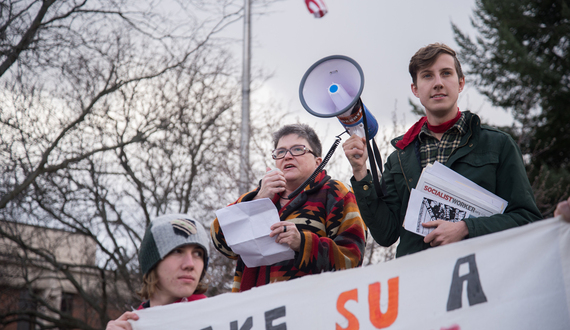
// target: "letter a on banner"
[[475, 293]]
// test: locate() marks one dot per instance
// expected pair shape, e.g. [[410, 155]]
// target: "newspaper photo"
[[425, 209]]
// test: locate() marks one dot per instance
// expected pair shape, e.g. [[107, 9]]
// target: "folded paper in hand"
[[443, 194], [246, 230]]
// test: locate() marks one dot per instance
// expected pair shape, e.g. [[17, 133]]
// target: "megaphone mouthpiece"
[[332, 88], [340, 97], [314, 90]]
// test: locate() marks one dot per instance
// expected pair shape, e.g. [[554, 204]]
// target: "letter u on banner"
[[377, 318]]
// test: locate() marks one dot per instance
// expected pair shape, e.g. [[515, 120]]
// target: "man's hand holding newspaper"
[[445, 232]]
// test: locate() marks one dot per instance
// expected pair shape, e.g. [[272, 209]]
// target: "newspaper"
[[443, 194], [442, 172]]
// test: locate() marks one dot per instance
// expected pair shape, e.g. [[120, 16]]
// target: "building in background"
[[46, 276]]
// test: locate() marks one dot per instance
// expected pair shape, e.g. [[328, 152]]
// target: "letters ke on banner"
[[514, 279]]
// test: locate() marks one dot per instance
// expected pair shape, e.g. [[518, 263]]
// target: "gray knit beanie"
[[168, 232]]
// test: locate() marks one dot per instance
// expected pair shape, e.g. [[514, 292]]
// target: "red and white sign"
[[316, 7], [514, 279]]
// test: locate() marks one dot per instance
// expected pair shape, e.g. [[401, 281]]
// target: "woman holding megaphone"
[[321, 223]]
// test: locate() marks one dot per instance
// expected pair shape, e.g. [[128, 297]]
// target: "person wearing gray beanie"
[[173, 257]]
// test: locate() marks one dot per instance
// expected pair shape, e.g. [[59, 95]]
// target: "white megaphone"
[[331, 88]]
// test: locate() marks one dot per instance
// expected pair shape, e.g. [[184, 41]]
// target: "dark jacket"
[[486, 156]]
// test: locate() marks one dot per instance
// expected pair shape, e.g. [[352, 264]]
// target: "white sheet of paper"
[[246, 229]]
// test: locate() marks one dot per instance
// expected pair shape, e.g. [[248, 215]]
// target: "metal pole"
[[244, 142]]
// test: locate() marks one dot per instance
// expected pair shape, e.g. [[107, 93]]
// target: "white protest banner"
[[514, 279]]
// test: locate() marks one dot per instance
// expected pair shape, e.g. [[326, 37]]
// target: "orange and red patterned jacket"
[[332, 235]]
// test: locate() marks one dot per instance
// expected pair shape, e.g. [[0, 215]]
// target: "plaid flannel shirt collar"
[[432, 150], [459, 127]]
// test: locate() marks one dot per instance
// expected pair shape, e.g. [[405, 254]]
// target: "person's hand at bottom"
[[445, 232]]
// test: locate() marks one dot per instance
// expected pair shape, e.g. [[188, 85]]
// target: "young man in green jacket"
[[485, 155]]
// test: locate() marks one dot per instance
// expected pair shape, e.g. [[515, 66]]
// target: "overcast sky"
[[380, 35]]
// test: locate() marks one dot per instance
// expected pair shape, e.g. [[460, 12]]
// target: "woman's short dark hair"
[[303, 131]]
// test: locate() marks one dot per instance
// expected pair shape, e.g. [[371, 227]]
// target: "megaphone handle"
[[357, 134]]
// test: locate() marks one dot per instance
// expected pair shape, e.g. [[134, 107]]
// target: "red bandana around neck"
[[417, 127]]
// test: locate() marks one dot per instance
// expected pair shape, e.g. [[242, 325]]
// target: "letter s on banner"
[[377, 318], [352, 320]]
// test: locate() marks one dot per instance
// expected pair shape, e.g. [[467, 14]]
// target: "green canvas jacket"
[[486, 156]]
